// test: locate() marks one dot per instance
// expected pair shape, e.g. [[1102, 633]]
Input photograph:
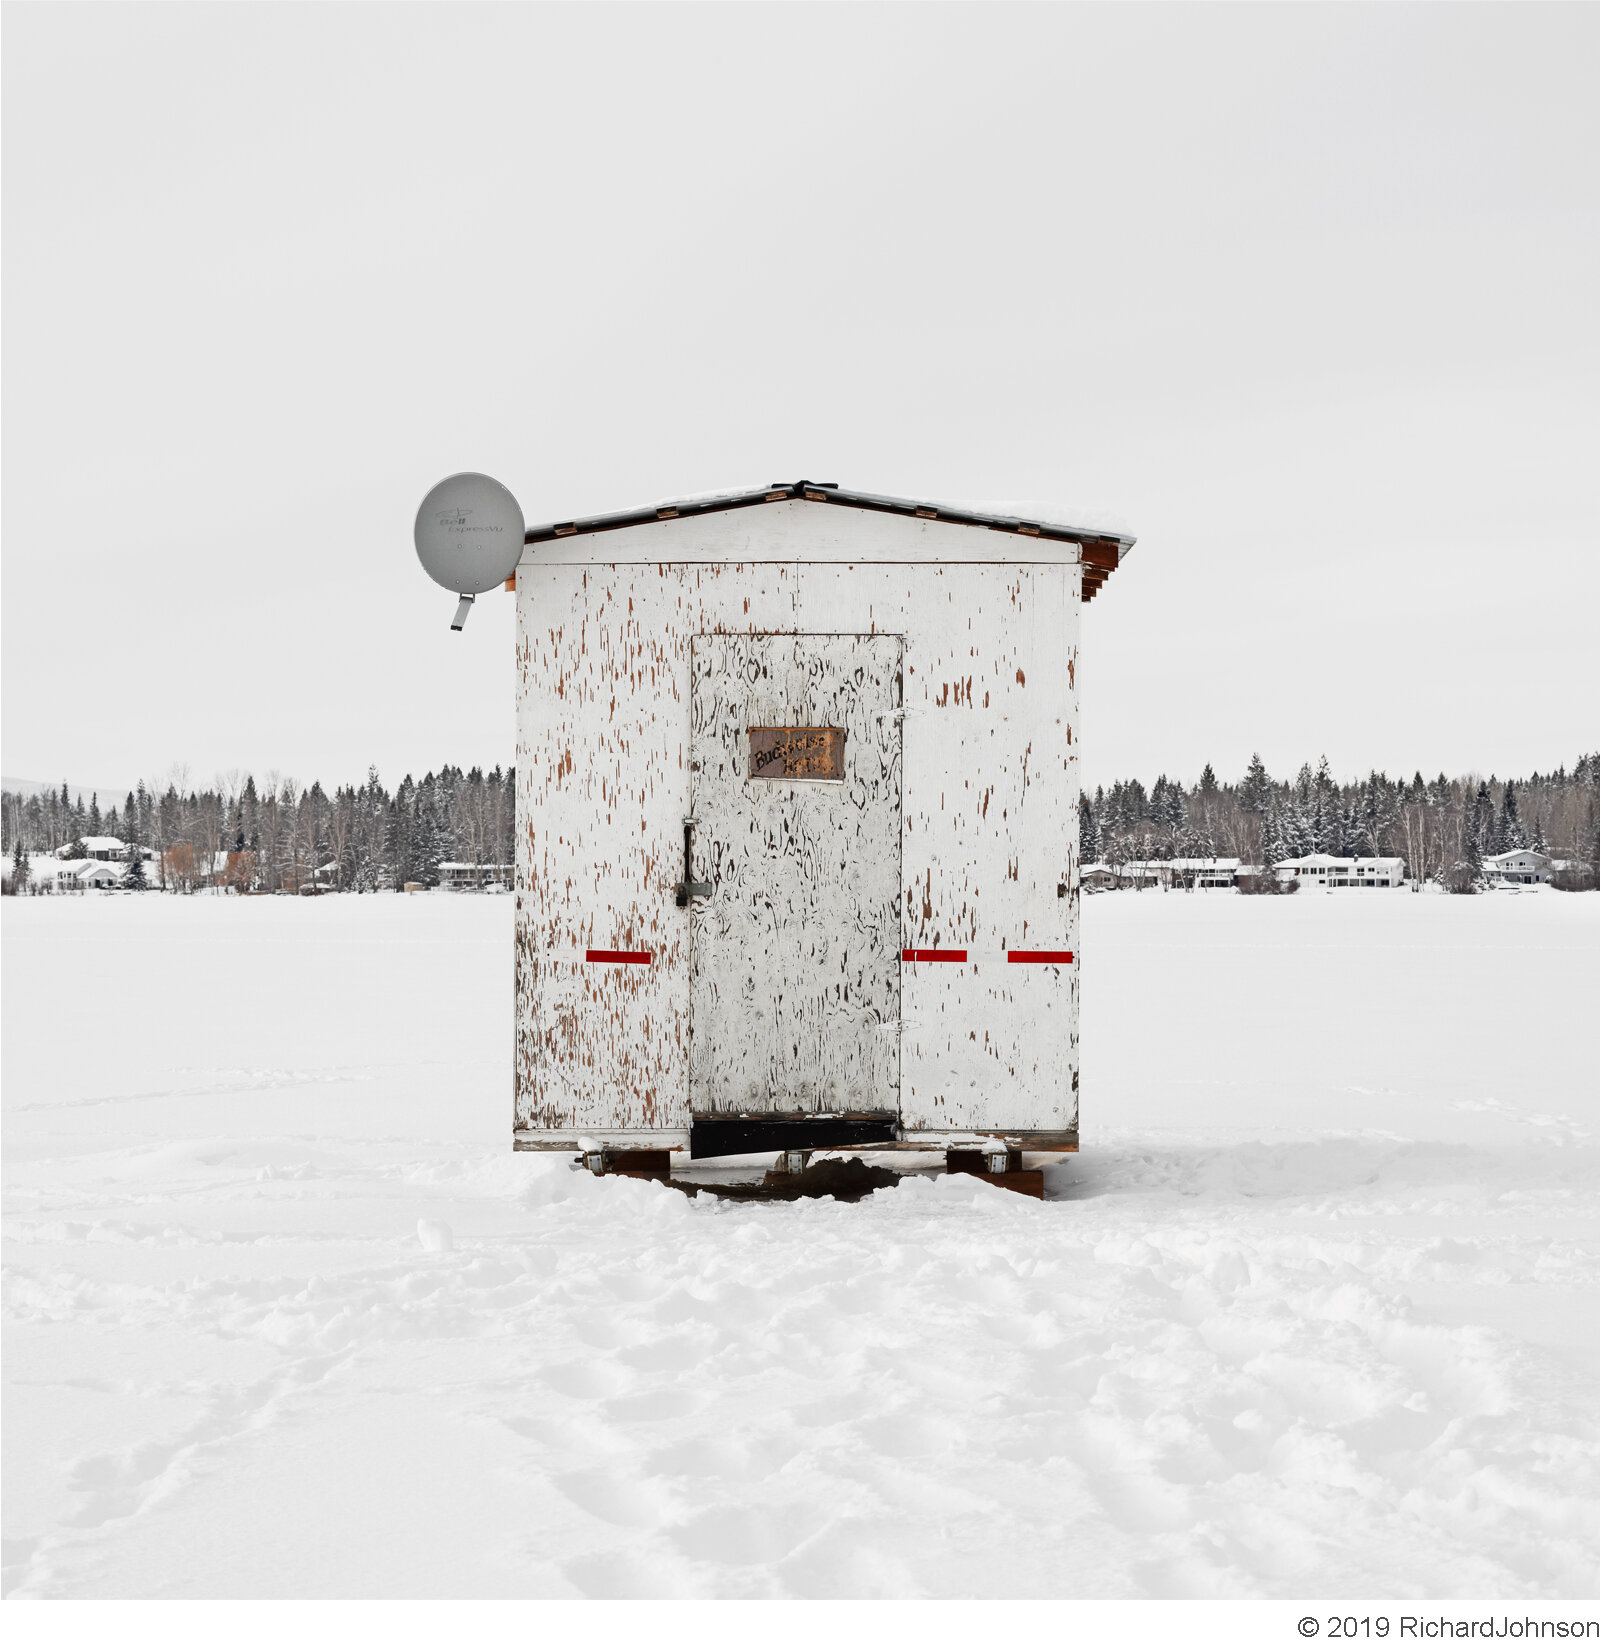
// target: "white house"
[[1330, 871], [71, 875], [1180, 873], [99, 847], [1519, 865], [459, 874], [797, 823], [89, 873]]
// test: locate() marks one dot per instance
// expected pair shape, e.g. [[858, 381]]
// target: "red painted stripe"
[[617, 956], [1039, 956], [916, 954]]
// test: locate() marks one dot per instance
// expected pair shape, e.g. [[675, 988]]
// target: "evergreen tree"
[[1480, 825], [431, 841], [94, 820], [77, 849], [1255, 790], [1378, 813], [1174, 812], [136, 882], [19, 864], [401, 845], [1508, 828], [1473, 855], [1208, 781], [1277, 836], [1351, 833]]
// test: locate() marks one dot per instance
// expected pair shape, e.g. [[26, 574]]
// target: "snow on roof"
[[1158, 867], [1313, 862], [87, 870]]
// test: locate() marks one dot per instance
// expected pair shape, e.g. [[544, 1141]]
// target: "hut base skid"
[[844, 1174], [797, 840]]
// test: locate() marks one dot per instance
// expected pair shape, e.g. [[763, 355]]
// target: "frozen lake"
[[1316, 1312]]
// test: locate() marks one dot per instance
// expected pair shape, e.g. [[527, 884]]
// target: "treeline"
[[1443, 828], [281, 835]]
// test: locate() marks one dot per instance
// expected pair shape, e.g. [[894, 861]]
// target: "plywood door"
[[795, 967]]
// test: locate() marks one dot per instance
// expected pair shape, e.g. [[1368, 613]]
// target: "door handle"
[[689, 889]]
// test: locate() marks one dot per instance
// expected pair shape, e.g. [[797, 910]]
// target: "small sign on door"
[[797, 753]]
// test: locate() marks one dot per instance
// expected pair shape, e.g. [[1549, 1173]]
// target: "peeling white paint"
[[988, 781], [795, 955]]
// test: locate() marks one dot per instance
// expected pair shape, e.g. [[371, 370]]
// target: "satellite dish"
[[469, 537]]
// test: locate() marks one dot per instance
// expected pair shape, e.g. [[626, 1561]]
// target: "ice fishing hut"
[[797, 824]]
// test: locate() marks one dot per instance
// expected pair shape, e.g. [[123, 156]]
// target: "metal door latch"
[[689, 889]]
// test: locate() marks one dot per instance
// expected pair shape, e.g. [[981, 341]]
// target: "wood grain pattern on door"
[[795, 970]]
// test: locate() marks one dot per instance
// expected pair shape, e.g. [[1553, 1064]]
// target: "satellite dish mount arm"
[[462, 611]]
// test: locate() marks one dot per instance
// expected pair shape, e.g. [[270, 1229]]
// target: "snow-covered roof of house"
[[1142, 865], [90, 870], [1513, 854], [1101, 545], [101, 844], [1333, 862]]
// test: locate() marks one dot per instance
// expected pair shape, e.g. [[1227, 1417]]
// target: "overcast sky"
[[1305, 297]]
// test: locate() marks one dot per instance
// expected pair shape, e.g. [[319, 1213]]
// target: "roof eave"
[[1101, 551]]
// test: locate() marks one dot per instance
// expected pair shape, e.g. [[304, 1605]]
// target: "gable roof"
[[1101, 550]]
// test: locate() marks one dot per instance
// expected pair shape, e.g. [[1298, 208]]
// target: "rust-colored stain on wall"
[[987, 824]]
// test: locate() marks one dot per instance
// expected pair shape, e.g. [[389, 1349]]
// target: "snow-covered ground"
[[1315, 1313]]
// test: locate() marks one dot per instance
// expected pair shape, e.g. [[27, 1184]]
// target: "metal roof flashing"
[[1100, 551]]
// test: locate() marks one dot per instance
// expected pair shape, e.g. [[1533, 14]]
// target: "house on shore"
[[1519, 865], [89, 873], [99, 847], [1176, 873], [1330, 871], [71, 876], [459, 875]]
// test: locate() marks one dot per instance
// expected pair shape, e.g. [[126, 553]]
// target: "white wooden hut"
[[797, 823]]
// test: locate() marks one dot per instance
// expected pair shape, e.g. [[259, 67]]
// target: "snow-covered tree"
[[1508, 827], [1255, 790], [1480, 824], [1088, 832]]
